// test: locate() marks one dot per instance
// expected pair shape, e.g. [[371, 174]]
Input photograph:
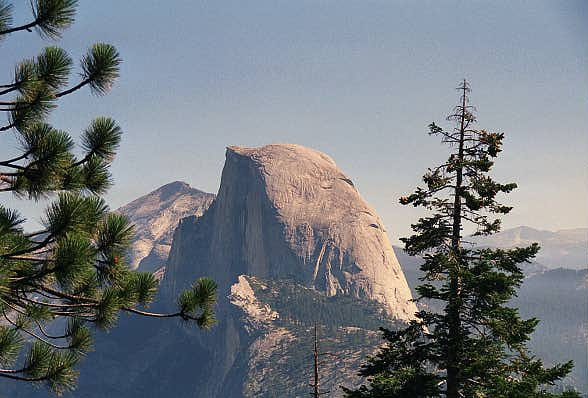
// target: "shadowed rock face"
[[287, 212], [291, 244], [155, 217]]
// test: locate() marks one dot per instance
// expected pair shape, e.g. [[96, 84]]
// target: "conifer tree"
[[476, 346], [71, 273]]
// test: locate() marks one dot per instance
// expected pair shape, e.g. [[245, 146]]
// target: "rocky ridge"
[[156, 216]]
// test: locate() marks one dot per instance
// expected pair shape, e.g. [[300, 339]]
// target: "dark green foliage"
[[196, 304], [100, 67], [70, 275], [307, 307], [557, 297], [53, 67], [10, 345], [101, 139], [50, 17], [53, 16], [347, 327], [475, 345]]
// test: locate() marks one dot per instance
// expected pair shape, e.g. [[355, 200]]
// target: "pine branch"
[[26, 27], [34, 335]]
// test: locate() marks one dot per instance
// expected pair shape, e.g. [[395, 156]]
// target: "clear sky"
[[359, 80]]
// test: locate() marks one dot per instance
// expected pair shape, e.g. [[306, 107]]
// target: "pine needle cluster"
[[70, 277]]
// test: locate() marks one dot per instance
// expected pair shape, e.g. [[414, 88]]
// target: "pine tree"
[[476, 345], [72, 271]]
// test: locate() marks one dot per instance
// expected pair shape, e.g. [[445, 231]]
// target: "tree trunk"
[[454, 307]]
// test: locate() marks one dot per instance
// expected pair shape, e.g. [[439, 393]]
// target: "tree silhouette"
[[475, 346]]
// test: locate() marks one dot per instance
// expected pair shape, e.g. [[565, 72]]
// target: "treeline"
[[298, 305]]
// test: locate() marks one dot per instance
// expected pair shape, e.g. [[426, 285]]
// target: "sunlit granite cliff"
[[287, 212]]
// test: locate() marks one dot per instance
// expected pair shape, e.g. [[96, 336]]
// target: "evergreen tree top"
[[477, 345]]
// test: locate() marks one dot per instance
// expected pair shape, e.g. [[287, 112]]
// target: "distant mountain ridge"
[[156, 215], [567, 248]]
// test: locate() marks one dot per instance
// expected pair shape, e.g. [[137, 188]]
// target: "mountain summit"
[[156, 216], [285, 211]]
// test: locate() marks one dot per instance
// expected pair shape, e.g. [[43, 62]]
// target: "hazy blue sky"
[[359, 80]]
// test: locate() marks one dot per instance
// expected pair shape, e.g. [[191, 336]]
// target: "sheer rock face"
[[156, 216], [287, 212]]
